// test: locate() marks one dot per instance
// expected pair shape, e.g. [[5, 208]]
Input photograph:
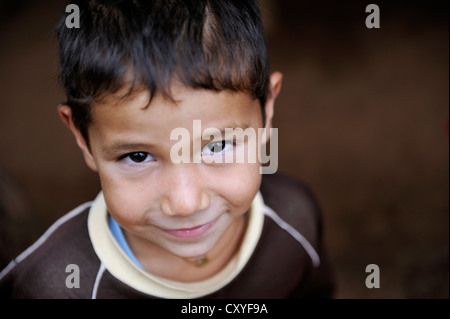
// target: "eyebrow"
[[231, 126], [222, 129], [120, 147]]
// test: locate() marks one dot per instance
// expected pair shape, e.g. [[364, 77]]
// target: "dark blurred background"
[[362, 117]]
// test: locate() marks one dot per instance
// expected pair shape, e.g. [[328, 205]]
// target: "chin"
[[200, 247], [193, 250]]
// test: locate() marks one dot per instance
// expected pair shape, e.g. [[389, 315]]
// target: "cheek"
[[126, 203], [241, 187]]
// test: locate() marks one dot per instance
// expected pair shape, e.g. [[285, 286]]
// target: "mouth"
[[191, 233]]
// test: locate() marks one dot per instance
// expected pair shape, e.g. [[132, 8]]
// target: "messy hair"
[[210, 44]]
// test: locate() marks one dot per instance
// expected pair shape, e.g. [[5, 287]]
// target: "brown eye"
[[138, 157]]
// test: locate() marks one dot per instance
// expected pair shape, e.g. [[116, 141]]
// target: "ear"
[[274, 89], [65, 112]]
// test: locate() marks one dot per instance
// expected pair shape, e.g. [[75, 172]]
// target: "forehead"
[[134, 116]]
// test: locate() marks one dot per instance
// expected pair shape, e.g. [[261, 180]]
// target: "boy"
[[133, 72]]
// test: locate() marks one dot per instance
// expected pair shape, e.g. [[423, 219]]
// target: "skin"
[[149, 195]]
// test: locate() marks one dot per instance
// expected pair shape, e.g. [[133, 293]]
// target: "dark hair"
[[210, 44]]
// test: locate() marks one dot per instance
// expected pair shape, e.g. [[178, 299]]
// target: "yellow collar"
[[123, 268]]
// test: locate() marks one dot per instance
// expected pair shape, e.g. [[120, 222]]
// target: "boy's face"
[[184, 208]]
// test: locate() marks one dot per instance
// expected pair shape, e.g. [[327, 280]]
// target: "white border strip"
[[294, 233], [44, 237]]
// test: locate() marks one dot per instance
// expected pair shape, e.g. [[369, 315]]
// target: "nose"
[[185, 192]]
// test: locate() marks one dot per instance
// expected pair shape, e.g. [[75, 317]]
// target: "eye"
[[215, 147], [137, 157]]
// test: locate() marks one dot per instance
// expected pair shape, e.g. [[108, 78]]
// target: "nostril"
[[204, 201], [166, 209]]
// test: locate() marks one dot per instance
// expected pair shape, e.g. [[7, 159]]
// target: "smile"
[[191, 233]]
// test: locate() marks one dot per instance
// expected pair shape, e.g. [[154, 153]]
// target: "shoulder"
[[279, 188], [40, 271], [289, 246], [295, 203]]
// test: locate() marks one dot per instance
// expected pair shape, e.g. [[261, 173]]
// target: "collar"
[[121, 266]]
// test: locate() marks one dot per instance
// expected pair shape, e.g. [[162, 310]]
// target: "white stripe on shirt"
[[44, 237], [294, 233], [100, 272]]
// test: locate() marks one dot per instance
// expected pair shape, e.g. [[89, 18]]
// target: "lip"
[[191, 233]]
